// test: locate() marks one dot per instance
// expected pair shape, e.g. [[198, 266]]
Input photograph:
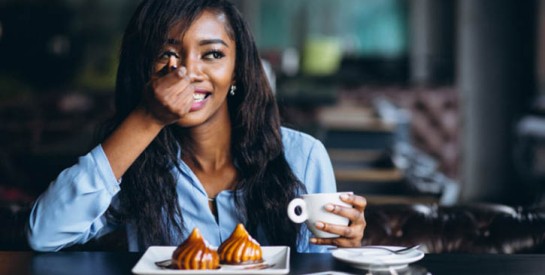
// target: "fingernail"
[[173, 67], [344, 196], [182, 71], [329, 207], [313, 240], [320, 225]]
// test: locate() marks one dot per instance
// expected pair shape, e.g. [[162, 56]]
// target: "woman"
[[196, 141]]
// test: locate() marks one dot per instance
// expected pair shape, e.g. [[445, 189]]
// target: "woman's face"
[[209, 54]]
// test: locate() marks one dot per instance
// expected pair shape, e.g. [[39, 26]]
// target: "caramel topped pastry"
[[240, 248], [194, 253]]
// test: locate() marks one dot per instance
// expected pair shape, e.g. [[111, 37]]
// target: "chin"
[[218, 116], [189, 122]]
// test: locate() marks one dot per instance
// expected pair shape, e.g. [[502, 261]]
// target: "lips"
[[200, 94], [199, 99]]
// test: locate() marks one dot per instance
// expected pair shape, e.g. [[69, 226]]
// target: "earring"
[[232, 90]]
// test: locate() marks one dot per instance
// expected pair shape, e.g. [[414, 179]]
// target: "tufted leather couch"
[[478, 228]]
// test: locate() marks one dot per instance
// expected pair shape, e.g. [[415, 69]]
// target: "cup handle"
[[291, 210]]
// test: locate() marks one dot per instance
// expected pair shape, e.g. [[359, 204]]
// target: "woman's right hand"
[[169, 95]]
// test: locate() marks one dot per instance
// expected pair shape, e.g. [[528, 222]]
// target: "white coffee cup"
[[313, 210]]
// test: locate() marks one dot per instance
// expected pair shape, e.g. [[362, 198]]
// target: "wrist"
[[147, 119]]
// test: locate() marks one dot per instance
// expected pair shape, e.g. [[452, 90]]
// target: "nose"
[[194, 69]]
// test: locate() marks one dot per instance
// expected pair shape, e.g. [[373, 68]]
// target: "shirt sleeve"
[[72, 209], [319, 178]]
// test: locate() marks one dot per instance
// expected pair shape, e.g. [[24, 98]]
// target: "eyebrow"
[[212, 41], [173, 41], [203, 42]]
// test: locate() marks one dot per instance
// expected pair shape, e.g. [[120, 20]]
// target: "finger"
[[184, 101], [172, 84], [164, 70], [182, 83], [340, 242], [358, 202], [353, 214], [341, 230], [170, 74], [320, 241]]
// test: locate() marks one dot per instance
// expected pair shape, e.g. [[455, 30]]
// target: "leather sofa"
[[477, 228]]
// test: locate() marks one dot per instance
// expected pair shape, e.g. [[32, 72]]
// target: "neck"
[[208, 154], [210, 146]]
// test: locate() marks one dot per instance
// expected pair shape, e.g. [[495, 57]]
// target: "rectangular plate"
[[278, 256]]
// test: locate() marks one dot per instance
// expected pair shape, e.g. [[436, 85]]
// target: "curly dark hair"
[[265, 180]]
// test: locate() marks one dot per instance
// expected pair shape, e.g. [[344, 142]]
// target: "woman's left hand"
[[351, 235]]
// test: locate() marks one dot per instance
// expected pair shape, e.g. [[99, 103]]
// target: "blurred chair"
[[477, 228], [372, 151], [434, 119]]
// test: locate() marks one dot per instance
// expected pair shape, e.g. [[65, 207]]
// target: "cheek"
[[223, 77]]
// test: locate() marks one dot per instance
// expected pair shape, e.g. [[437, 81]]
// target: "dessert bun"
[[194, 253], [240, 248]]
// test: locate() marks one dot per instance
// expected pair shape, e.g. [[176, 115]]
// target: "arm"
[[318, 178], [129, 140], [167, 99], [71, 211], [322, 179]]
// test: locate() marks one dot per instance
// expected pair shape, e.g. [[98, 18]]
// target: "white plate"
[[377, 259], [277, 256]]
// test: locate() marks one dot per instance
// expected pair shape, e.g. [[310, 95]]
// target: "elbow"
[[38, 243], [38, 246]]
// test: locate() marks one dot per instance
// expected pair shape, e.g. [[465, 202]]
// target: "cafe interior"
[[434, 111]]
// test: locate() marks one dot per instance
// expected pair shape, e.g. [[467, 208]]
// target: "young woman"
[[196, 141]]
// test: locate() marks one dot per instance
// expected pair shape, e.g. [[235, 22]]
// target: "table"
[[117, 263]]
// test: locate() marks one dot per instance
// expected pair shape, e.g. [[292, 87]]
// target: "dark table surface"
[[115, 263]]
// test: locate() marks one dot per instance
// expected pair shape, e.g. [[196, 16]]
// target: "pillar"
[[496, 81], [431, 42]]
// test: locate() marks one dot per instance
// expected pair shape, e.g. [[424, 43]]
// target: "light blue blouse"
[[72, 210]]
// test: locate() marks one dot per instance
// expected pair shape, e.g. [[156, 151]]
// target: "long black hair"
[[265, 180]]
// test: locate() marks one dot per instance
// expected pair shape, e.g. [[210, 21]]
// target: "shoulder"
[[309, 161], [293, 139], [300, 146]]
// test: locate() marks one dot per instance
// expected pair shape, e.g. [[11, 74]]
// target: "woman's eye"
[[214, 55], [167, 55]]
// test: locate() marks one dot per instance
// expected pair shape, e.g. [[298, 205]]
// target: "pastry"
[[194, 253], [240, 248]]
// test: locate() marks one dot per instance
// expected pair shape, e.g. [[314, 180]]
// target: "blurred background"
[[415, 100]]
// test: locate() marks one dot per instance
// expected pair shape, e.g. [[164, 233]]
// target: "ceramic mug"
[[312, 211]]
